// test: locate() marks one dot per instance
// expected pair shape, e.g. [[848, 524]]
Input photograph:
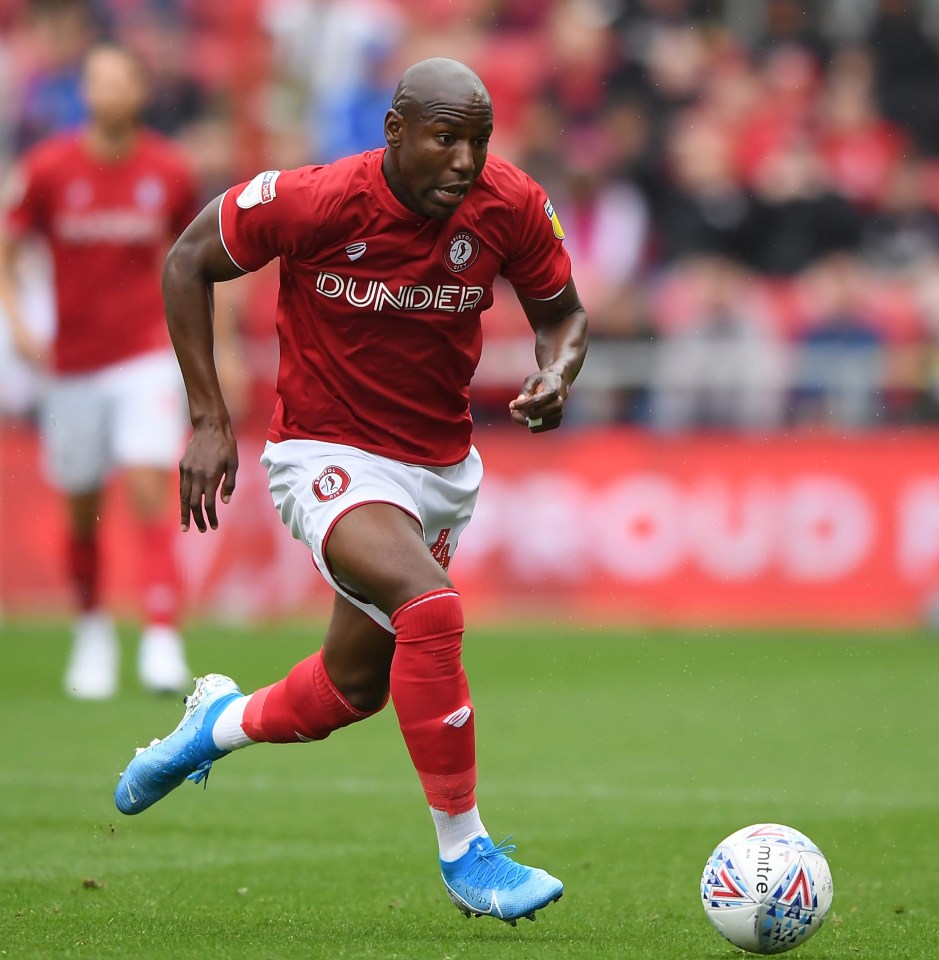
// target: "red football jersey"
[[109, 225], [379, 308]]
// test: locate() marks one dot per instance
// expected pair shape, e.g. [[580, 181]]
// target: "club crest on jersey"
[[553, 217], [462, 250], [355, 250], [331, 483], [262, 189]]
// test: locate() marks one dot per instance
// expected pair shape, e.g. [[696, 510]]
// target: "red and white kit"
[[371, 292], [108, 225]]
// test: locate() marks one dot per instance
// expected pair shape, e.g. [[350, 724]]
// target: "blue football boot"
[[187, 753], [485, 881]]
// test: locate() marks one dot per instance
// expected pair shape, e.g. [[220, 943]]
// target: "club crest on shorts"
[[462, 250], [331, 483]]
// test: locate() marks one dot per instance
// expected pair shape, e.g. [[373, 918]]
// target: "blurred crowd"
[[749, 188]]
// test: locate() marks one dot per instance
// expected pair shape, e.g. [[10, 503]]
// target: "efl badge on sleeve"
[[553, 217], [262, 189]]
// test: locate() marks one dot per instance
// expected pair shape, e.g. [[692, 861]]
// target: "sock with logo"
[[305, 705], [432, 699]]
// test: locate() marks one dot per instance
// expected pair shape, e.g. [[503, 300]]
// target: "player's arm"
[[560, 326], [229, 347], [197, 261], [18, 204], [25, 342]]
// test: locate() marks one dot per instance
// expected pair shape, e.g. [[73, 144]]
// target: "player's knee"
[[363, 689], [370, 700], [361, 680], [412, 587]]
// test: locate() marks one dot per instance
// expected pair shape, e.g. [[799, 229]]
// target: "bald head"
[[437, 132], [437, 83]]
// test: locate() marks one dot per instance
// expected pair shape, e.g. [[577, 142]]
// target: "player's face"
[[439, 154], [113, 87]]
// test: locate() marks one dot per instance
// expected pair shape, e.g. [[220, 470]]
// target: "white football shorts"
[[313, 484], [128, 414]]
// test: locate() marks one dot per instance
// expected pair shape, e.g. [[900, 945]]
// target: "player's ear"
[[394, 124]]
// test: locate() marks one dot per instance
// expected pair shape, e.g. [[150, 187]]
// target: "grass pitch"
[[618, 760]]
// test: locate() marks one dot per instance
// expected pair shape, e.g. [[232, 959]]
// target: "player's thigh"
[[378, 551], [147, 411], [318, 488], [390, 557], [74, 429]]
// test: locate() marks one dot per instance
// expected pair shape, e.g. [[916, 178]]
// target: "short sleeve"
[[271, 216], [539, 266]]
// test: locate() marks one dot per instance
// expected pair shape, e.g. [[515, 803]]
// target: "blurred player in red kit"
[[387, 260], [109, 199]]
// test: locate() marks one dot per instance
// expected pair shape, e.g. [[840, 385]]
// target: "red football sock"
[[432, 698], [160, 579], [84, 569], [305, 705]]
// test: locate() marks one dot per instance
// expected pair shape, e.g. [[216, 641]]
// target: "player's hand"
[[540, 403], [210, 460]]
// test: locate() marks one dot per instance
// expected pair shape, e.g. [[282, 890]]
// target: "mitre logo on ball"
[[462, 251], [331, 483]]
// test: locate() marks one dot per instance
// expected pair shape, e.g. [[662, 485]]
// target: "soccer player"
[[387, 260], [109, 199]]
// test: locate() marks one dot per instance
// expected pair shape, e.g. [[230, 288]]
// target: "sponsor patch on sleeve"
[[262, 189], [553, 217]]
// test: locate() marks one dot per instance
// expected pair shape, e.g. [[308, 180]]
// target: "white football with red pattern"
[[766, 888]]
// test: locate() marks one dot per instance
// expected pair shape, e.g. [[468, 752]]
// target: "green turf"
[[617, 759]]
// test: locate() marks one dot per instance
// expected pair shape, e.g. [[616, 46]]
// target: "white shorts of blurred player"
[[129, 414], [314, 484]]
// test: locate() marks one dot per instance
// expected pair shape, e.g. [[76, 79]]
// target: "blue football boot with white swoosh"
[[485, 881], [187, 753]]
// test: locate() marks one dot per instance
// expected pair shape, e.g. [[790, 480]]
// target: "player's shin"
[[432, 700]]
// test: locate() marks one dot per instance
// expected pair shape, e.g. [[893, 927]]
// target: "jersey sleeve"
[[539, 266], [271, 216]]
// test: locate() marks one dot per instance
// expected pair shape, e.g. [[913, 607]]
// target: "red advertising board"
[[599, 526]]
